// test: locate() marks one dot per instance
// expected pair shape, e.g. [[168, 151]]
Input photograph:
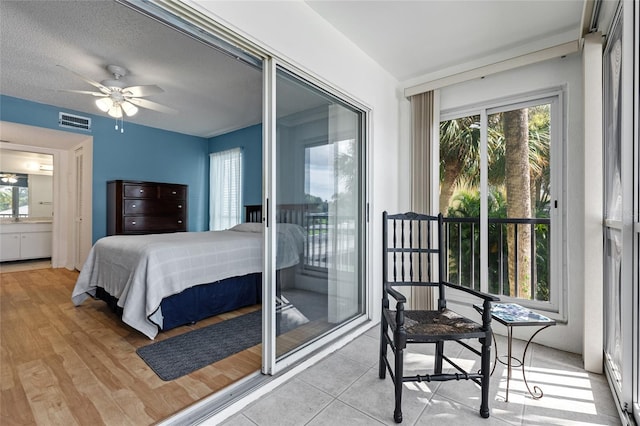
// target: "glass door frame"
[[557, 305], [626, 389], [271, 363]]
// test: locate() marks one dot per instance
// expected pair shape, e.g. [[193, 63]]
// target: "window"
[[225, 189], [500, 186], [14, 195]]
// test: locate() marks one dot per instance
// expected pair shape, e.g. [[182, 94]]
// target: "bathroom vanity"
[[26, 239]]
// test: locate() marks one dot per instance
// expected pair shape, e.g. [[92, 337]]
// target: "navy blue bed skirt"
[[203, 301]]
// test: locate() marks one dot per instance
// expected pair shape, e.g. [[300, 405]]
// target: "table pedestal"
[[512, 361], [513, 315]]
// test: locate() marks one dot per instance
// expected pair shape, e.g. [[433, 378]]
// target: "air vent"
[[74, 121]]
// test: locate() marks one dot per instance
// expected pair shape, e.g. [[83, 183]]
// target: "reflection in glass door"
[[318, 214]]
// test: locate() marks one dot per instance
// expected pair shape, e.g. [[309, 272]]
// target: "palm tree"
[[517, 180], [518, 161], [459, 156]]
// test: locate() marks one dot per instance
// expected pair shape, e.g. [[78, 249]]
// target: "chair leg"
[[438, 359], [486, 376], [397, 414], [382, 369]]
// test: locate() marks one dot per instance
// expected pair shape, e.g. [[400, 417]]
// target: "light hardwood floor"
[[66, 365]]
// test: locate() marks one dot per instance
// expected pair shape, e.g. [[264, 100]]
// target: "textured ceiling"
[[213, 92]]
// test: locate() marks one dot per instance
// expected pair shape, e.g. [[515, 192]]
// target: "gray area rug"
[[183, 354]]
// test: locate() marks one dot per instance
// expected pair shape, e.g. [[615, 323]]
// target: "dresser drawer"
[[169, 192], [153, 207], [153, 224], [140, 191]]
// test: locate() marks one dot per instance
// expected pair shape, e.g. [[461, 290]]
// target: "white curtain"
[[343, 232], [225, 189], [424, 123]]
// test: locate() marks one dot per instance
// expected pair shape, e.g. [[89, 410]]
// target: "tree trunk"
[[447, 186], [517, 182]]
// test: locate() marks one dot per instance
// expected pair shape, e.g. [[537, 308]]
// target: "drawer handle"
[[133, 222], [173, 192], [179, 221], [133, 205], [141, 191], [179, 206]]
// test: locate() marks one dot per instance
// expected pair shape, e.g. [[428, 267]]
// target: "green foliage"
[[6, 195], [464, 244], [312, 199], [459, 151]]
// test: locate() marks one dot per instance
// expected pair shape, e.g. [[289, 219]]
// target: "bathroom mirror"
[[26, 186]]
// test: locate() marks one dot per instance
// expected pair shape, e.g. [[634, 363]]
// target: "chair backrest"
[[412, 247]]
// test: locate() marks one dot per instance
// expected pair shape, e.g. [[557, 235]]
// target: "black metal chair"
[[413, 252]]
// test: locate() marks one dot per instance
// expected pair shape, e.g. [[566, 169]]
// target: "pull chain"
[[121, 124]]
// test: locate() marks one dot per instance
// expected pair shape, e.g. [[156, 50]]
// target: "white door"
[[82, 181]]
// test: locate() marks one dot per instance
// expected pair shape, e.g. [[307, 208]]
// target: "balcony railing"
[[462, 240], [321, 249]]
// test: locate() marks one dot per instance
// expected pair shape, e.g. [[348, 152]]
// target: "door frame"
[[25, 138], [271, 364]]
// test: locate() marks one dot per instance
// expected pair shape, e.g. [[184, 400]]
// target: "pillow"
[[247, 227]]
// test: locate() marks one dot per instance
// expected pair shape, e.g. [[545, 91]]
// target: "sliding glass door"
[[500, 193], [621, 210], [316, 213]]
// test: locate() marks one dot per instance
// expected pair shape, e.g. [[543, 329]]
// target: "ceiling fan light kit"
[[104, 104], [9, 178], [117, 99], [129, 108]]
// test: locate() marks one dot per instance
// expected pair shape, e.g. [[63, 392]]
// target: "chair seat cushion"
[[431, 326]]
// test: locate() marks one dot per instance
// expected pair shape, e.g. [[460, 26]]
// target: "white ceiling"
[[25, 162], [215, 93], [416, 38]]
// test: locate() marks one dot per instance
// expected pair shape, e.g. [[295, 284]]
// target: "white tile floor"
[[344, 389]]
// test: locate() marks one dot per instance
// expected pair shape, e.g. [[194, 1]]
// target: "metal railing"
[[330, 240], [462, 240]]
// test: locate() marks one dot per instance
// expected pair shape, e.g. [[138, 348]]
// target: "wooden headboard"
[[286, 213], [253, 213]]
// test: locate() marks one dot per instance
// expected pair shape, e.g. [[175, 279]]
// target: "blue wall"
[[140, 153], [250, 140]]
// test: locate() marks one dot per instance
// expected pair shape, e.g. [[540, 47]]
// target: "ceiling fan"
[[118, 99], [8, 178]]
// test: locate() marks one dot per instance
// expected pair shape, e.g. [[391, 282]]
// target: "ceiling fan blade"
[[85, 92], [138, 91], [88, 80], [145, 103]]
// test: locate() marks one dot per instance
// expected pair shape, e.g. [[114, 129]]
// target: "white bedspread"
[[141, 270]]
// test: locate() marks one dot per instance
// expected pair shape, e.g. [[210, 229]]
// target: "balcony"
[[462, 239]]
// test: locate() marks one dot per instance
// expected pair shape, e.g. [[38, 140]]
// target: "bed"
[[161, 281]]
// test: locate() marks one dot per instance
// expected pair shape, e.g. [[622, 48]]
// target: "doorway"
[[59, 146]]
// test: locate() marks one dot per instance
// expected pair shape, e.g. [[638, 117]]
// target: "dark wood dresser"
[[135, 207]]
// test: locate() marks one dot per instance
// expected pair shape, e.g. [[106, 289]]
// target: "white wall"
[[560, 72], [294, 32]]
